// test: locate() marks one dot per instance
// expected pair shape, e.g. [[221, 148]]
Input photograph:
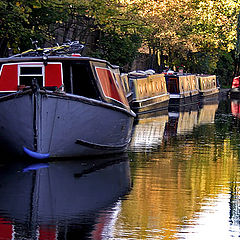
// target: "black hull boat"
[[183, 89], [62, 106]]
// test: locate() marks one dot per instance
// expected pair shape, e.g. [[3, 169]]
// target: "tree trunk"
[[237, 54]]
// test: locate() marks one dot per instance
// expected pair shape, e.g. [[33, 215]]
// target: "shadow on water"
[[63, 199]]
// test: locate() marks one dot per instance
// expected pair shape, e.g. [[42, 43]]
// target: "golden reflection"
[[207, 113], [171, 187], [148, 133]]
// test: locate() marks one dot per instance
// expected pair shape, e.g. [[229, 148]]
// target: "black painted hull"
[[61, 125]]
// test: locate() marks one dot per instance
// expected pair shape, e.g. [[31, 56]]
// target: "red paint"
[[47, 233], [235, 109], [53, 75], [110, 87], [235, 83], [9, 77], [6, 230]]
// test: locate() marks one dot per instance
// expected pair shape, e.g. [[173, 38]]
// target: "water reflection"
[[185, 184], [148, 133], [189, 187], [62, 200], [235, 107]]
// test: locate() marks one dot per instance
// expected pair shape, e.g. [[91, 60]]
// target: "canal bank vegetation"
[[199, 36]]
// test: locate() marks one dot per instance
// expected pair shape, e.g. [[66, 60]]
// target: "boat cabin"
[[182, 85], [147, 86], [207, 85], [149, 92], [80, 76]]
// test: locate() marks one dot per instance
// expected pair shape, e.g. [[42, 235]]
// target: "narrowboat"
[[149, 92], [235, 89], [127, 89], [207, 86], [56, 103], [183, 89]]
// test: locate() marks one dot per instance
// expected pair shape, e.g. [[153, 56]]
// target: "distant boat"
[[208, 86], [183, 88], [235, 89], [55, 103], [149, 92]]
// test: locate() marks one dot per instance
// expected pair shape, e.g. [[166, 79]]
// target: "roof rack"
[[67, 48]]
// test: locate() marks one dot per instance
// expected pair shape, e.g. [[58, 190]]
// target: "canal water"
[[180, 179]]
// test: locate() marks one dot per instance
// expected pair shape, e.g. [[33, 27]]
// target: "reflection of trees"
[[171, 186]]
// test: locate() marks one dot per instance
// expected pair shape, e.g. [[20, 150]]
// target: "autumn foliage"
[[194, 34]]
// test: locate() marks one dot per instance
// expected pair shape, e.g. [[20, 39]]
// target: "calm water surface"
[[179, 180]]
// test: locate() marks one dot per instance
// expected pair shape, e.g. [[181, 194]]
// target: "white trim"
[[175, 96], [149, 98], [32, 65]]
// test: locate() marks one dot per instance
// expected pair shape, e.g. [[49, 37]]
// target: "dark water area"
[[180, 179]]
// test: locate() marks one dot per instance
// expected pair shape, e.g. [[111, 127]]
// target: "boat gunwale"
[[67, 96]]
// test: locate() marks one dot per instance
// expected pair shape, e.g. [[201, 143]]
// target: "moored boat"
[[127, 89], [235, 89], [149, 92], [183, 89], [55, 103], [207, 86]]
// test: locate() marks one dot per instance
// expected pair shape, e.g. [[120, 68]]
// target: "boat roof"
[[62, 58]]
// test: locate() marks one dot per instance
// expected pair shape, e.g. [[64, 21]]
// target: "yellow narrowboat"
[[183, 88], [207, 85], [149, 92]]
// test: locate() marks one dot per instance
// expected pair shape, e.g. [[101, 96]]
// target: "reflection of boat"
[[183, 122], [207, 113], [57, 104], [55, 197], [148, 133], [149, 92], [183, 89], [235, 108]]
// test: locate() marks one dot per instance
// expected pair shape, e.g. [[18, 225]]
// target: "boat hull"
[[61, 125], [234, 93], [149, 105], [178, 102]]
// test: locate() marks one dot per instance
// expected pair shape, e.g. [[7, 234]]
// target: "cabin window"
[[79, 80], [28, 73]]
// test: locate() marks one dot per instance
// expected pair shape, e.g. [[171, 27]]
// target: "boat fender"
[[36, 154]]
